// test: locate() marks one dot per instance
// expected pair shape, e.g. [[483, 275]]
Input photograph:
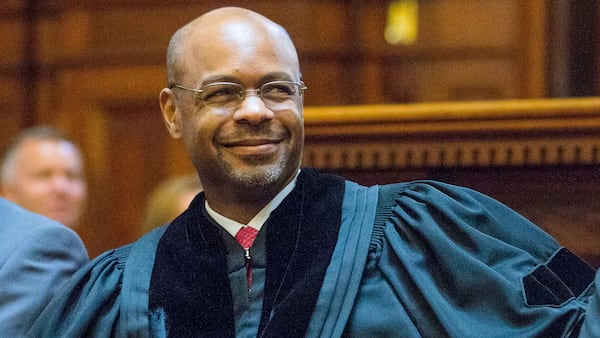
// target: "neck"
[[242, 203], [239, 212], [240, 206]]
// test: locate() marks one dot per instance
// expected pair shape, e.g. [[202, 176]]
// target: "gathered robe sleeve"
[[89, 304], [108, 297], [591, 326], [448, 261]]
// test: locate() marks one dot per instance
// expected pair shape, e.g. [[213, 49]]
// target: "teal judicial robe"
[[415, 259]]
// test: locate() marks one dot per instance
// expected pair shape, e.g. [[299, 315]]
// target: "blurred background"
[[94, 68]]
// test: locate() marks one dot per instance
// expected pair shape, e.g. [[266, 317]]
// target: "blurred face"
[[251, 148], [47, 178]]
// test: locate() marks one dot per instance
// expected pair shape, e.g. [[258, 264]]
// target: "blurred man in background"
[[42, 170]]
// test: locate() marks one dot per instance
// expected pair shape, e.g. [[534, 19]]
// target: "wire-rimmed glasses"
[[229, 95]]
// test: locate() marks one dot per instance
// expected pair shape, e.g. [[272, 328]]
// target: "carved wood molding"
[[464, 134]]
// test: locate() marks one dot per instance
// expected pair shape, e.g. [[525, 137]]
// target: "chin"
[[259, 172], [258, 178], [261, 175]]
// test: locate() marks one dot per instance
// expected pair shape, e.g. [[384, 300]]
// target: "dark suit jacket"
[[37, 256]]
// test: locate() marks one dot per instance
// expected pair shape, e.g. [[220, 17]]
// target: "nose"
[[61, 183], [253, 110]]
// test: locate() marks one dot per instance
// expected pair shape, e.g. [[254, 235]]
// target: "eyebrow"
[[218, 78], [275, 76]]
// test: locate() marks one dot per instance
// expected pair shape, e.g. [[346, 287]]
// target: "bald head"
[[212, 32]]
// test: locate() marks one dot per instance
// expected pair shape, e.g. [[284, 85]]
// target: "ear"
[[170, 112]]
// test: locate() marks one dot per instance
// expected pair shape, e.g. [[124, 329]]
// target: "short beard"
[[257, 177]]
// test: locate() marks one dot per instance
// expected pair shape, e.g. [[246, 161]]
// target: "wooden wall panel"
[[133, 138], [12, 31], [13, 90], [466, 50], [438, 80], [11, 109]]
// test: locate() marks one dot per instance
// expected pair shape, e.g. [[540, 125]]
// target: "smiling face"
[[250, 152]]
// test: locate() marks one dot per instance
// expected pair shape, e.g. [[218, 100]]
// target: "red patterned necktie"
[[245, 236]]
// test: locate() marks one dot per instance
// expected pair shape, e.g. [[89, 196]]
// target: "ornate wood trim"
[[463, 134]]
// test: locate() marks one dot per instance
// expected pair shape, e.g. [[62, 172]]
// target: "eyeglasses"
[[276, 95]]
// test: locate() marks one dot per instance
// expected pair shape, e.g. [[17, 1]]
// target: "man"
[[37, 256], [42, 171], [331, 257]]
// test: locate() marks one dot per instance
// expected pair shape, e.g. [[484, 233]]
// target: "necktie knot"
[[245, 236]]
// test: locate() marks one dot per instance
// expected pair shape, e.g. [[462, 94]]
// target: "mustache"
[[257, 132]]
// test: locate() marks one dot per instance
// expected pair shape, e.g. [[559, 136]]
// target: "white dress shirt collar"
[[259, 219]]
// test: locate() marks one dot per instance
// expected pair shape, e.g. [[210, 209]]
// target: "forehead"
[[40, 149], [238, 48]]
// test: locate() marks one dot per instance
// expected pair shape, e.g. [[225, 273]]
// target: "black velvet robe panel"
[[190, 295]]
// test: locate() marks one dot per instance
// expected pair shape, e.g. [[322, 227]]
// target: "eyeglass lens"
[[277, 94]]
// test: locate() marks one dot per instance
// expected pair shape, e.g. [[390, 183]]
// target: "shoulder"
[[439, 214], [428, 189], [41, 252], [17, 222], [34, 252], [433, 197], [27, 235], [131, 256]]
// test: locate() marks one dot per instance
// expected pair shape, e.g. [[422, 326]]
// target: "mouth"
[[253, 146], [251, 142]]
